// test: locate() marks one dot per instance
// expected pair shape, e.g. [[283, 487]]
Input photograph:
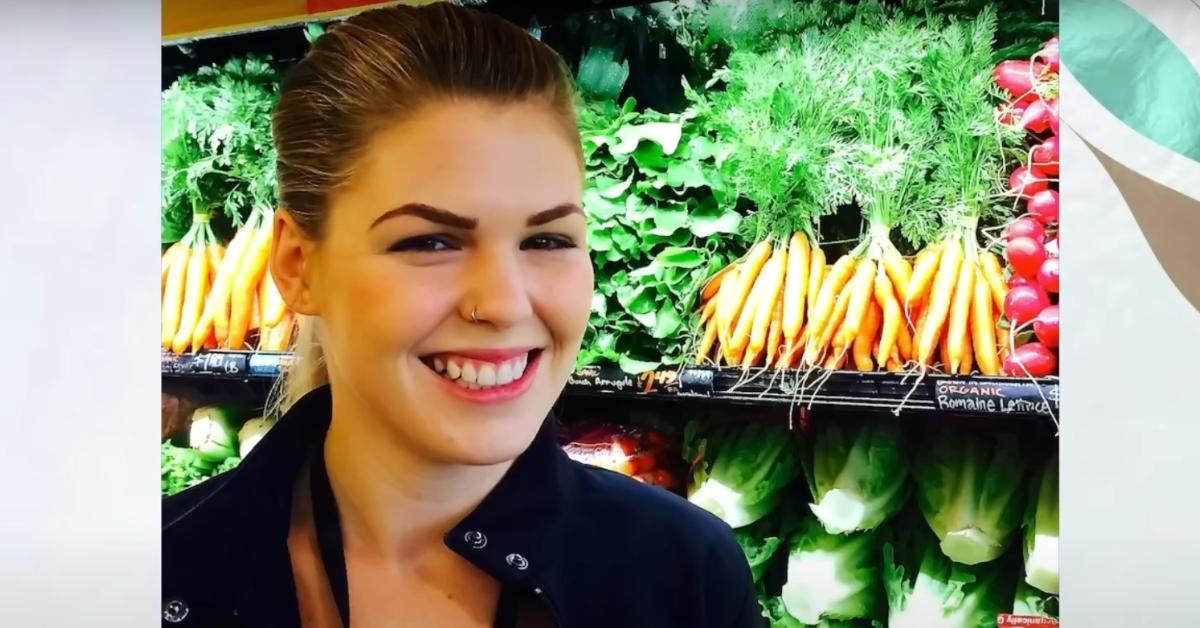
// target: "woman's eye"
[[424, 244], [547, 242]]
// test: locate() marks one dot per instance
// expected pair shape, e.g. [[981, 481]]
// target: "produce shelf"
[[991, 396]]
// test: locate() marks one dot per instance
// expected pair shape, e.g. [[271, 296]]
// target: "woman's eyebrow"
[[554, 213], [432, 214]]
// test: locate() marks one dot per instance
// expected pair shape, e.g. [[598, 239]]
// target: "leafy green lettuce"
[[857, 471], [971, 487], [661, 219], [1041, 531], [832, 576], [925, 589], [740, 470], [1030, 601]]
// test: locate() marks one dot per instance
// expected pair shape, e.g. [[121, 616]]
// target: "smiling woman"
[[431, 233]]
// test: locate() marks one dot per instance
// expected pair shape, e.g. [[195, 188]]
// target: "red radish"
[[1017, 280], [1010, 115], [1044, 206], [1036, 117], [1049, 55], [1027, 181], [1045, 326], [1023, 303], [1045, 156], [1026, 227], [1052, 247], [1025, 255], [1053, 104], [1032, 359], [1016, 76], [1048, 275]]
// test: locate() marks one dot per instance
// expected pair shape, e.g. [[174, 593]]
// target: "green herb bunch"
[[218, 156], [661, 218]]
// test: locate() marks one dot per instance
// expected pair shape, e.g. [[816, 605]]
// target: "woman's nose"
[[498, 291]]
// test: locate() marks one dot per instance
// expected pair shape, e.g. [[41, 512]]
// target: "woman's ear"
[[292, 263]]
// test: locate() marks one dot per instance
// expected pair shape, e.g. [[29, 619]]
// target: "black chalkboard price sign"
[[996, 396]]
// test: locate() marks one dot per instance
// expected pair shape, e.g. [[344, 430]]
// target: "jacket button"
[[476, 540], [175, 611], [518, 561]]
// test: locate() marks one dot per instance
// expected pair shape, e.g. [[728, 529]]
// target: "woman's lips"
[[489, 380]]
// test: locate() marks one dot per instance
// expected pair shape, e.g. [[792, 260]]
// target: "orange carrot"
[[893, 317], [904, 341], [710, 336], [898, 268], [983, 327], [713, 286], [923, 273], [816, 275], [894, 365], [223, 284], [283, 332], [795, 286], [960, 310], [817, 344], [866, 337], [173, 295], [995, 278], [831, 287], [940, 296], [245, 284], [775, 334], [168, 258], [747, 277], [772, 275], [968, 358], [944, 350], [862, 286], [195, 283], [710, 308], [1002, 344], [835, 361], [725, 298]]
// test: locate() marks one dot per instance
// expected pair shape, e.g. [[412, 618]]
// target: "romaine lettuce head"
[[857, 470], [778, 617], [971, 488], [832, 576], [760, 543], [1041, 530], [1030, 601], [742, 471], [925, 589]]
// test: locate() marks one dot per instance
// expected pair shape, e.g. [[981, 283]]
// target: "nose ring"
[[474, 319]]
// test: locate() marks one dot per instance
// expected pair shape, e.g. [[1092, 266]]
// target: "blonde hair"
[[369, 72]]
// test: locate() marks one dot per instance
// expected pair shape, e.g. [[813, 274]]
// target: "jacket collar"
[[511, 535]]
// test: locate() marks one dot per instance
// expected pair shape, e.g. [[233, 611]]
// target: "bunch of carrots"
[[217, 297], [782, 306]]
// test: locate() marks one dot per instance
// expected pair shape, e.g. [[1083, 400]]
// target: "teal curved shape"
[[1131, 68]]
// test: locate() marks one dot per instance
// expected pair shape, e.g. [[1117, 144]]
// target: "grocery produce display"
[[825, 242], [861, 520], [1031, 241]]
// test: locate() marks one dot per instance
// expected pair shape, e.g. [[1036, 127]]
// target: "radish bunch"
[[1031, 240]]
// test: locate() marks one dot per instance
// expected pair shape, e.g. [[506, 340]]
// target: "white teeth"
[[504, 374], [487, 375], [474, 375], [468, 373]]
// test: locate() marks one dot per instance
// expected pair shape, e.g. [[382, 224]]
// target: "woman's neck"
[[391, 499]]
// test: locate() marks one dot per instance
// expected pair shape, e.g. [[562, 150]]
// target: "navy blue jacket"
[[598, 548]]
